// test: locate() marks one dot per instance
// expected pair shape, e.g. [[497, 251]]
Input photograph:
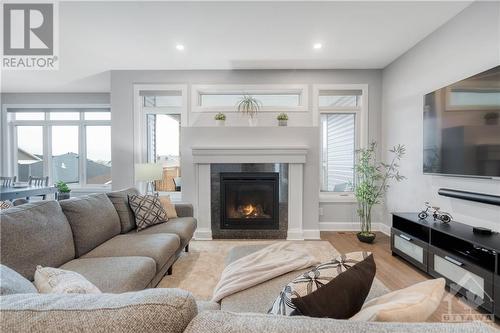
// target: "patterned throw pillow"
[[147, 209], [5, 204], [312, 280], [59, 281]]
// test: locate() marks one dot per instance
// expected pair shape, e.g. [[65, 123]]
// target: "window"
[[98, 161], [29, 152], [341, 120], [269, 100], [215, 98], [161, 115], [51, 141], [338, 142]]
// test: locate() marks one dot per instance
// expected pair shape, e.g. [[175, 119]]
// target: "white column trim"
[[295, 201], [203, 203]]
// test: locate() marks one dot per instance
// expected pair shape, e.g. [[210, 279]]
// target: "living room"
[[233, 150]]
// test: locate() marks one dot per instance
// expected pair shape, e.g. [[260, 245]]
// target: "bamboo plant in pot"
[[249, 105], [372, 181]]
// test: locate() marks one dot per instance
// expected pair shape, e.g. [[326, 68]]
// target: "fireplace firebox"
[[249, 200]]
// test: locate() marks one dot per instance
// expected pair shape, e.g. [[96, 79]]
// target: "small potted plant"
[[220, 119], [282, 119], [249, 105], [372, 182], [62, 190]]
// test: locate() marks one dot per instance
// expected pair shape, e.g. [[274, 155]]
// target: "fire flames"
[[251, 211]]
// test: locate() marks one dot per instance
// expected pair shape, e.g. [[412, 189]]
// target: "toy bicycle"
[[435, 212]]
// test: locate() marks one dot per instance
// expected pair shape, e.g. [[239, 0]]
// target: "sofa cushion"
[[183, 209], [147, 311], [184, 227], [115, 274], [93, 219], [160, 247], [35, 234], [120, 201], [224, 322], [50, 280], [11, 282]]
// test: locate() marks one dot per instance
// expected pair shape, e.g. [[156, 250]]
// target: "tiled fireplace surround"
[[287, 161]]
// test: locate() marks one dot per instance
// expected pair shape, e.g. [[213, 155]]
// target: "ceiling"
[[95, 37]]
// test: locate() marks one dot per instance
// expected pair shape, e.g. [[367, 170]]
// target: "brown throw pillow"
[[168, 206], [147, 209], [344, 295]]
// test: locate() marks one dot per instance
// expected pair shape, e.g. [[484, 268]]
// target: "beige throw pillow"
[[59, 281], [413, 304], [168, 206]]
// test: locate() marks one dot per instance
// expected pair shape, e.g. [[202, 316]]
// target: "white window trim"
[[361, 128], [140, 150], [251, 89], [10, 137]]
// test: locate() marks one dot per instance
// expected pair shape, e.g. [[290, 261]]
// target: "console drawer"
[[410, 248], [462, 276]]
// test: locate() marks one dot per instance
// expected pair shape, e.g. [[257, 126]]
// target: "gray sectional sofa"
[[95, 236]]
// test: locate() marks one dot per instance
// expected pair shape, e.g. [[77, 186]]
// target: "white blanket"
[[272, 261]]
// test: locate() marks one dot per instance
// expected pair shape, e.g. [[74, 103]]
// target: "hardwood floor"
[[396, 273]]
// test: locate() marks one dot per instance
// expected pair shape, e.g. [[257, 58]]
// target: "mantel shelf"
[[249, 154]]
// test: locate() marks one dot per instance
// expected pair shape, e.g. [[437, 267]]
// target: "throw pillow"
[[322, 275], [59, 281], [147, 209], [12, 282], [413, 304], [168, 206]]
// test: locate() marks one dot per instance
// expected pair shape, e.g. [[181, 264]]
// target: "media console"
[[469, 262]]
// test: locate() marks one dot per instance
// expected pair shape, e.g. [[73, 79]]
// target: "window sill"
[[337, 197]]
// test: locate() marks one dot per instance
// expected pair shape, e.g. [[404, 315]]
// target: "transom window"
[[273, 97], [71, 144]]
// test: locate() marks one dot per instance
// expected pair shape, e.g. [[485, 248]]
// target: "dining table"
[[15, 192]]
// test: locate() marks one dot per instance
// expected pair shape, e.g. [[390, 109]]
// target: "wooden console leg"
[[169, 271], [187, 248]]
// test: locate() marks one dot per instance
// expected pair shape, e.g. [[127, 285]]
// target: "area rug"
[[199, 270]]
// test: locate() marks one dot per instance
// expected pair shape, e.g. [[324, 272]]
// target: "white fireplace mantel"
[[295, 156]]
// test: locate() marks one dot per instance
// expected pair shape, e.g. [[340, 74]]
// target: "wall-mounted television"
[[462, 127]]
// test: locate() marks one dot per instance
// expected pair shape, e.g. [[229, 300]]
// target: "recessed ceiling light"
[[179, 47], [317, 46]]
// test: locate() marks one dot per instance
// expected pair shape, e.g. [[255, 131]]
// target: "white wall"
[[464, 46], [300, 132]]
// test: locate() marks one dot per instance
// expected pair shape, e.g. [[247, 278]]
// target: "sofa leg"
[[186, 248], [169, 271]]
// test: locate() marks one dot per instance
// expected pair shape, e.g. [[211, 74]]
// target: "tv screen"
[[462, 127]]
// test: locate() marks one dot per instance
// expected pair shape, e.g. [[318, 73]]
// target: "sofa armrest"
[[184, 209], [152, 310]]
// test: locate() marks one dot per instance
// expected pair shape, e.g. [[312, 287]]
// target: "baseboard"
[[295, 234], [203, 234], [311, 234], [353, 226]]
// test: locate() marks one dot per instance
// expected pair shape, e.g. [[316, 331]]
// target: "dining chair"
[[38, 181], [7, 181]]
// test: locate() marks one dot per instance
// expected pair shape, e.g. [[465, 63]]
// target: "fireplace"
[[249, 200]]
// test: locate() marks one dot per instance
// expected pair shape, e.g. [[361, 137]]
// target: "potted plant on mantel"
[[282, 119], [62, 190], [372, 182], [249, 105], [220, 119]]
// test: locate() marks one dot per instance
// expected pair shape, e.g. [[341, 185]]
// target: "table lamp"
[[148, 172]]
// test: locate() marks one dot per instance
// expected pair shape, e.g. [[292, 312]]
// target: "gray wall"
[[123, 127], [466, 45]]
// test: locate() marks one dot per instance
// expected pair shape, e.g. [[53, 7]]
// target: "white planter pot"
[[253, 121], [282, 122], [220, 122]]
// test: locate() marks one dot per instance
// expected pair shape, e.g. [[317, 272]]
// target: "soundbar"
[[489, 199]]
